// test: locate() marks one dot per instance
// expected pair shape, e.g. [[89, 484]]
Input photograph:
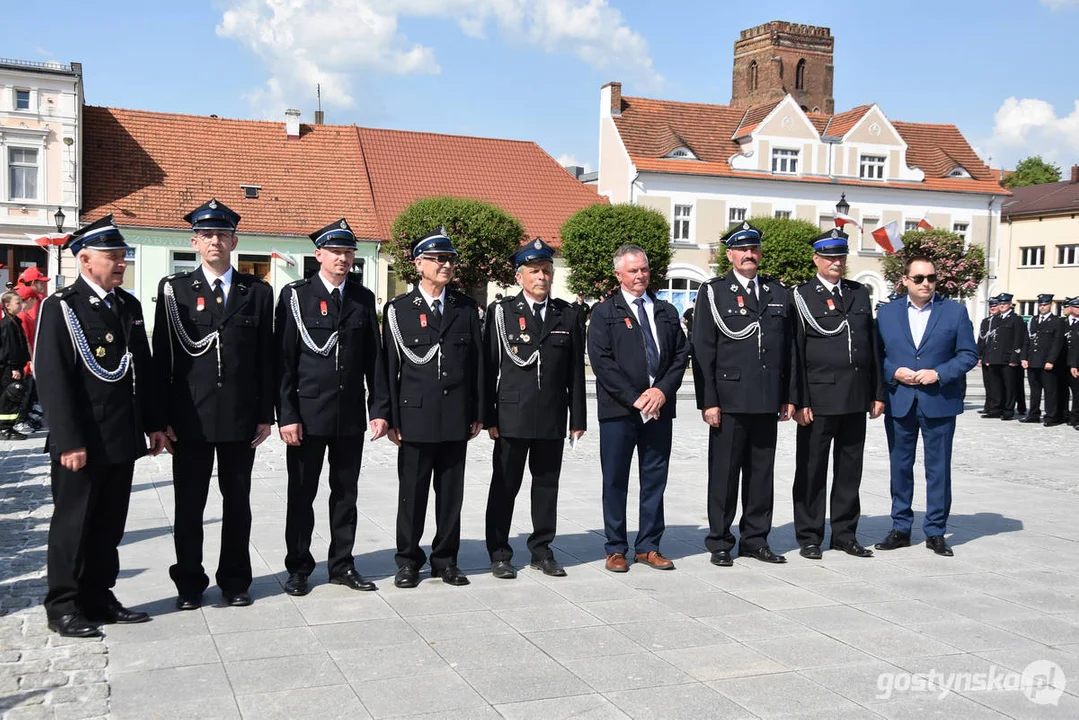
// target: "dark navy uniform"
[[215, 369], [1045, 344], [328, 347], [983, 335], [1005, 338], [98, 395], [1072, 361], [535, 374]]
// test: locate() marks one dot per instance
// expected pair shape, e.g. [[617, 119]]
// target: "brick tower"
[[778, 58]]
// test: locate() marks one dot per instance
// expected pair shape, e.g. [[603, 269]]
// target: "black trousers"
[[418, 464], [987, 384], [304, 468], [1020, 390], [844, 437], [1073, 387], [1042, 380], [1004, 382], [743, 446], [192, 465], [545, 463], [89, 514]]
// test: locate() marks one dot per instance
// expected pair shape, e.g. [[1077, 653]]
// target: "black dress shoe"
[[1031, 419], [117, 613], [189, 602], [936, 544], [991, 416], [296, 585], [764, 554], [352, 579], [451, 575], [852, 547], [74, 625], [1053, 423], [810, 552], [722, 558], [549, 566], [240, 599], [893, 540], [406, 577], [1007, 416], [503, 570]]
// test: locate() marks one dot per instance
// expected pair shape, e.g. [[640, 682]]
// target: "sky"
[[1003, 71]]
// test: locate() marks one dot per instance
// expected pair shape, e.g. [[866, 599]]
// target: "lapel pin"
[[741, 301], [765, 288], [416, 301], [514, 349], [629, 323], [525, 337], [423, 320], [322, 307], [220, 300], [196, 283], [831, 304], [200, 303], [820, 289], [523, 323], [109, 337], [99, 351], [742, 311], [734, 287]]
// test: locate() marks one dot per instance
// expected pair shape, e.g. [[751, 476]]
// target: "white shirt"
[[919, 319], [330, 288], [98, 290], [650, 312], [429, 299], [226, 280], [744, 281], [830, 287], [532, 303]]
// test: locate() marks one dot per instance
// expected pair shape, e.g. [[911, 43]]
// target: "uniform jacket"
[[617, 355], [517, 404], [742, 376], [424, 405], [200, 404], [1005, 337], [109, 419], [834, 378], [947, 347], [1073, 343], [983, 336], [14, 350], [1045, 341], [326, 392]]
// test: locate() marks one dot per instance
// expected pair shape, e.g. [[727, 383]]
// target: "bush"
[[787, 253], [591, 236], [960, 270]]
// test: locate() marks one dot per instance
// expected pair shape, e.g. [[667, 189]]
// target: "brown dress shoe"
[[655, 559], [616, 562]]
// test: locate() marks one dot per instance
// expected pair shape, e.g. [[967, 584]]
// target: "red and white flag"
[[924, 224], [841, 220], [888, 238], [286, 257], [49, 239]]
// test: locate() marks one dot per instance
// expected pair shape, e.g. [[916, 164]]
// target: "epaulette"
[[394, 300], [558, 302], [299, 283]]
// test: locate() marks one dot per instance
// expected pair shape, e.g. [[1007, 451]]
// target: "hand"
[[262, 431], [1075, 372], [395, 436], [16, 374], [74, 460], [1048, 366], [904, 375], [492, 432], [291, 434], [876, 409], [158, 442], [928, 376], [1025, 364], [575, 435], [474, 429], [170, 434], [650, 401], [378, 428], [712, 416], [785, 412], [979, 364], [803, 416]]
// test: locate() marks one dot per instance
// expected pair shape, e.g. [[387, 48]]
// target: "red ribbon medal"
[[322, 306], [522, 323], [629, 323], [831, 304], [200, 304], [423, 319], [741, 302]]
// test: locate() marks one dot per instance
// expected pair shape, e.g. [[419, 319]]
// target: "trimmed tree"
[[484, 235], [1033, 171], [591, 236], [960, 269], [787, 253]]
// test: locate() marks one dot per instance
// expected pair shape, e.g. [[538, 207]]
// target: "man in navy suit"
[[638, 354], [926, 348]]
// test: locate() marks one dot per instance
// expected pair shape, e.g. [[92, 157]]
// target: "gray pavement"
[[904, 634]]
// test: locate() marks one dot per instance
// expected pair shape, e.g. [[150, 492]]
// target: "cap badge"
[[745, 226], [835, 233], [537, 244], [213, 205], [344, 225]]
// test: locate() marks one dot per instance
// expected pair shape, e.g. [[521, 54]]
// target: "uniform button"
[[917, 357], [445, 374], [445, 392], [340, 387], [220, 384]]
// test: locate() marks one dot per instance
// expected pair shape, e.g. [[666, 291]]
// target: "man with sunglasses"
[[926, 347], [214, 359], [433, 355]]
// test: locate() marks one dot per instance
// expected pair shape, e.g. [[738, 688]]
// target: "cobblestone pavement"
[[904, 634]]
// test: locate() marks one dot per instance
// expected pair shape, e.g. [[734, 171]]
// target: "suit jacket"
[[1005, 337], [1045, 341], [744, 376], [205, 403], [947, 347], [835, 378], [109, 419], [325, 393], [424, 405], [14, 350], [616, 351], [518, 405]]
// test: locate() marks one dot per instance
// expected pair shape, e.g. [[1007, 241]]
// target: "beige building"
[[1039, 243]]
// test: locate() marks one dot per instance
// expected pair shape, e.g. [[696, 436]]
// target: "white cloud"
[[304, 42], [566, 160], [1032, 127]]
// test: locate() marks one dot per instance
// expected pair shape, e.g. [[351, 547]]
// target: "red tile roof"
[[1043, 199], [754, 116], [149, 169], [710, 130]]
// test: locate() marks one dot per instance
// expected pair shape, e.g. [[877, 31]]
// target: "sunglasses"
[[441, 259], [919, 279]]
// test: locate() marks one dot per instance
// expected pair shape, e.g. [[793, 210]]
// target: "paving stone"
[[589, 707], [265, 675], [329, 703], [682, 702]]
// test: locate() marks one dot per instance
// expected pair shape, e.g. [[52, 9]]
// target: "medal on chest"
[[521, 322], [423, 320], [741, 301], [200, 303], [831, 304], [322, 307], [629, 323]]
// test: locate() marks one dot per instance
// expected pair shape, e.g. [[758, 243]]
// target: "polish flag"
[[841, 220], [924, 224], [283, 256], [50, 239], [888, 238]]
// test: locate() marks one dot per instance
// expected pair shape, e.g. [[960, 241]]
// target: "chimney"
[[320, 117], [575, 170], [1075, 173], [292, 124], [615, 89]]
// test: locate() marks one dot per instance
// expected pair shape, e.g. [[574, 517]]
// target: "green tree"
[[1033, 171], [960, 269], [484, 235], [787, 253], [591, 236]]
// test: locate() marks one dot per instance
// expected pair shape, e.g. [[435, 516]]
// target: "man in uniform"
[[1043, 357], [839, 382], [214, 354], [1004, 342], [433, 356], [535, 373], [983, 335], [742, 374], [1071, 319], [328, 345], [92, 347]]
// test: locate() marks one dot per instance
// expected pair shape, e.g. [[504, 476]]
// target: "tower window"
[[753, 76], [800, 75]]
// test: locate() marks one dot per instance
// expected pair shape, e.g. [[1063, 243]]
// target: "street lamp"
[[59, 217], [842, 206]]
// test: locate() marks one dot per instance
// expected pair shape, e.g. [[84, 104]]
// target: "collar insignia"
[[765, 288], [734, 287], [416, 301]]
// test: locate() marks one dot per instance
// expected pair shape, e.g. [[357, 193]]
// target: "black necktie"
[[335, 295], [110, 300], [219, 294], [436, 312], [649, 342], [537, 309], [836, 294]]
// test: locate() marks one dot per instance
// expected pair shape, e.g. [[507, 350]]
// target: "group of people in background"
[[19, 412]]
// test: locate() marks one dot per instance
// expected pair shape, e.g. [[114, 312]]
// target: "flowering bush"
[[960, 269]]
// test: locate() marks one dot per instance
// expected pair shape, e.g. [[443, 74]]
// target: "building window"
[[183, 262], [680, 292], [682, 153], [826, 222], [872, 167], [22, 99], [1068, 255], [868, 244], [22, 173], [680, 227], [783, 214], [1026, 307], [1033, 256], [736, 214], [960, 229], [800, 76], [785, 161], [753, 76], [910, 226]]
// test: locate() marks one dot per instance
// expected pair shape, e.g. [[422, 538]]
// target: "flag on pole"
[[888, 238], [924, 224], [284, 256], [49, 239], [841, 220]]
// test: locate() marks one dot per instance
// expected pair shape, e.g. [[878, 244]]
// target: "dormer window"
[[251, 192], [784, 162], [959, 173], [682, 153]]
